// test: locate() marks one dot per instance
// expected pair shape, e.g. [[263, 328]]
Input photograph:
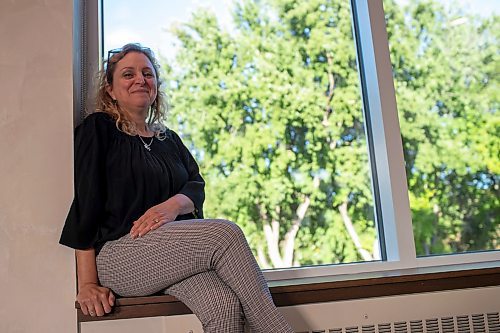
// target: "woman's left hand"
[[154, 218]]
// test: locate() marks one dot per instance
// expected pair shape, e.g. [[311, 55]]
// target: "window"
[[219, 77], [445, 61], [270, 104]]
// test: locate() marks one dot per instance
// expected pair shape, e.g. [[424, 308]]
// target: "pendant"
[[146, 145]]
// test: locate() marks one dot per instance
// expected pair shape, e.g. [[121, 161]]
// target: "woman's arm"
[[93, 299], [194, 188], [160, 214], [81, 229]]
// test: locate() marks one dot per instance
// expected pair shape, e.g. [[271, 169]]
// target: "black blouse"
[[117, 180]]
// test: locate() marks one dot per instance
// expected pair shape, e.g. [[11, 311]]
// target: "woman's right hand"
[[95, 300]]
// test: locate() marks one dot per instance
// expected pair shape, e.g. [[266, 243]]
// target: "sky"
[[148, 21]]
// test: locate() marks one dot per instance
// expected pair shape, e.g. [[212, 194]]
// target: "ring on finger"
[[91, 313], [156, 220]]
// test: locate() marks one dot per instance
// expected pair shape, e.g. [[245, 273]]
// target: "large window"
[[290, 109], [269, 102], [446, 74]]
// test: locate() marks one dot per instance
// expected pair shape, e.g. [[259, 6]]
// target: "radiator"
[[477, 323], [458, 311]]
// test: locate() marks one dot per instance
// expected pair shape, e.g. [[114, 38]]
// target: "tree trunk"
[[271, 233], [289, 242], [272, 238], [262, 259], [352, 232], [284, 258]]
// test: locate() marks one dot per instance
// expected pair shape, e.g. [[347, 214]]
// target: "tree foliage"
[[446, 77], [273, 112]]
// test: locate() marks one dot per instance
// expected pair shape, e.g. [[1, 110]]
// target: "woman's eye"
[[148, 75], [127, 75]]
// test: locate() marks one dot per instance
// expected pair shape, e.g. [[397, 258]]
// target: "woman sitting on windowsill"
[[136, 221]]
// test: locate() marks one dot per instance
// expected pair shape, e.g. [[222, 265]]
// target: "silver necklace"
[[146, 145]]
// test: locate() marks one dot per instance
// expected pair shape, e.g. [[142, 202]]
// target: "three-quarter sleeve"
[[194, 188], [81, 229]]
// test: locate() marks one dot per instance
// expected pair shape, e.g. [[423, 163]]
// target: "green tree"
[[274, 113], [446, 68]]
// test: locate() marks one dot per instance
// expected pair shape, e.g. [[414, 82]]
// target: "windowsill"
[[331, 288], [439, 263], [385, 273], [385, 283]]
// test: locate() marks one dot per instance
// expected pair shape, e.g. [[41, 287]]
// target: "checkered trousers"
[[205, 263]]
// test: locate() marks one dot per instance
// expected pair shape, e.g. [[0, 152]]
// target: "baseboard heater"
[[474, 310], [473, 323]]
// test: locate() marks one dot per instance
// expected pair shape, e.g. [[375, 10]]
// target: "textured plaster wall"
[[37, 281]]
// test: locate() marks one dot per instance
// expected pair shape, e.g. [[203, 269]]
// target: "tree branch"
[[272, 238], [352, 232], [289, 241], [331, 87], [261, 257]]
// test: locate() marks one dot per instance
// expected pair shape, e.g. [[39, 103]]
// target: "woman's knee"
[[229, 229]]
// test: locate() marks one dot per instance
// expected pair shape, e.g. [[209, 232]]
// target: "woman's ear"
[[109, 89]]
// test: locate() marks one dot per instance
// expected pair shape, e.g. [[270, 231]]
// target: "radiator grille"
[[448, 325], [474, 323], [493, 322], [368, 329]]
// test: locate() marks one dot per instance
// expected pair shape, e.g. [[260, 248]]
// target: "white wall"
[[37, 283]]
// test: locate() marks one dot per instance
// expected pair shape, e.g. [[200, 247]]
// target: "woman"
[[136, 222]]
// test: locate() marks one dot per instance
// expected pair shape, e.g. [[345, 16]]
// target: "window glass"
[[266, 95], [445, 57]]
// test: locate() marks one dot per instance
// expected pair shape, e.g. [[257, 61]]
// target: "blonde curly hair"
[[104, 102]]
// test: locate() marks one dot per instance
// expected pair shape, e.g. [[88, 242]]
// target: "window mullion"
[[383, 133], [85, 55]]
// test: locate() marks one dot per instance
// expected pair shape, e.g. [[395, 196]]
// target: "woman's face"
[[134, 83]]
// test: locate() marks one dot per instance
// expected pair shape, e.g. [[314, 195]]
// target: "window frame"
[[389, 183]]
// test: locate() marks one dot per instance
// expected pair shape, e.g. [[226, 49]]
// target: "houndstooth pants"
[[207, 264]]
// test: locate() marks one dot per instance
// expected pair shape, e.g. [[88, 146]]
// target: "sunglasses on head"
[[136, 47]]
